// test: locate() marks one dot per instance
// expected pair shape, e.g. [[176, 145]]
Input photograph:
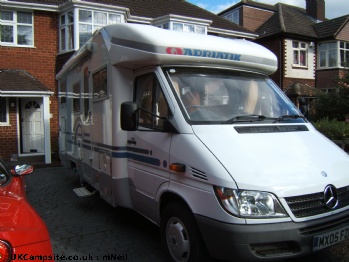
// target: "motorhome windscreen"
[[212, 95]]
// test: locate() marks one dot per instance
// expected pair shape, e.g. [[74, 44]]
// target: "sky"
[[334, 8]]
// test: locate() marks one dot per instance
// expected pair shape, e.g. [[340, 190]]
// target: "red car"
[[23, 234]]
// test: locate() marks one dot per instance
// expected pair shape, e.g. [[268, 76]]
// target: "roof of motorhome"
[[134, 46], [157, 8]]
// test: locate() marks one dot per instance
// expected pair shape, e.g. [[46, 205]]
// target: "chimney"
[[316, 9]]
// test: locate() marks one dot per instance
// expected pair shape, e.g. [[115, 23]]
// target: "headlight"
[[251, 204]]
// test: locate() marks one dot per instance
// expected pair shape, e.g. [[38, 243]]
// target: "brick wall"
[[327, 78], [40, 62], [287, 82]]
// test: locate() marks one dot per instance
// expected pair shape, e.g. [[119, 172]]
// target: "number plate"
[[330, 238]]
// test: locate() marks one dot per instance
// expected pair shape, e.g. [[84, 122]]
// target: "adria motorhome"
[[189, 131]]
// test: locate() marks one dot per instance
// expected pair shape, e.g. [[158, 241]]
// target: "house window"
[[67, 31], [344, 54], [4, 119], [189, 28], [87, 22], [233, 17], [328, 55], [300, 50], [90, 21], [16, 28]]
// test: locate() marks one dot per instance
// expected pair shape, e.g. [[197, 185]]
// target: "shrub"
[[333, 129]]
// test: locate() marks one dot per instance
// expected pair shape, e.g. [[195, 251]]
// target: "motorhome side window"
[[151, 100], [76, 97], [63, 92], [85, 95], [100, 84]]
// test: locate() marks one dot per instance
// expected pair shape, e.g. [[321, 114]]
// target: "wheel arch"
[[169, 197]]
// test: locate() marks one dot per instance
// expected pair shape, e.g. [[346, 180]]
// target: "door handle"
[[131, 141]]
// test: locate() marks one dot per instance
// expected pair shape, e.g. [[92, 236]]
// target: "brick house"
[[312, 51], [39, 36]]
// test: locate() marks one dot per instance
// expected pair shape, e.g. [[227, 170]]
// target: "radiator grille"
[[314, 204]]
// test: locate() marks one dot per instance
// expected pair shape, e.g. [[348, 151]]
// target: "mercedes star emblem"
[[330, 197]]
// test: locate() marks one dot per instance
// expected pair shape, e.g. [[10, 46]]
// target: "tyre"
[[180, 234]]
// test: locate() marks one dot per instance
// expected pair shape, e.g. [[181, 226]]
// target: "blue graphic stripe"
[[129, 152]]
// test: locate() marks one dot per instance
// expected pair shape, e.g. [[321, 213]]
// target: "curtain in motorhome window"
[[100, 84], [151, 100]]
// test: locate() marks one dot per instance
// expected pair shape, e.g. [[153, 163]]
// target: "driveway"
[[89, 229]]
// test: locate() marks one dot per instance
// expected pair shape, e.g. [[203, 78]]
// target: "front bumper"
[[267, 242]]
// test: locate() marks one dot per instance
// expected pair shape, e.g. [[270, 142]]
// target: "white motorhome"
[[189, 131]]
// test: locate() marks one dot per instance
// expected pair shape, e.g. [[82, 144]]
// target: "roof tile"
[[19, 80]]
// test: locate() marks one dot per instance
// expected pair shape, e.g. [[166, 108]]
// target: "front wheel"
[[180, 234]]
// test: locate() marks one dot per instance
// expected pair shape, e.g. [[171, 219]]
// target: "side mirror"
[[128, 116], [22, 170]]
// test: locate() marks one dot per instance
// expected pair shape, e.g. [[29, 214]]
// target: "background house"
[[312, 51], [39, 36]]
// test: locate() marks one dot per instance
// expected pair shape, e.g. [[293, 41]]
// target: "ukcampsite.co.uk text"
[[56, 257]]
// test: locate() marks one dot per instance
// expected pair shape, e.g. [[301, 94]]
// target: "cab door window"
[[151, 101]]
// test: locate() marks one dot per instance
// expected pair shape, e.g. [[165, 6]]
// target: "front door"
[[32, 125]]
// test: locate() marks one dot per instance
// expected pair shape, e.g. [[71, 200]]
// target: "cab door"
[[149, 146]]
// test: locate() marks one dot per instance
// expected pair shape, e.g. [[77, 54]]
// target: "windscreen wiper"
[[280, 118], [245, 118]]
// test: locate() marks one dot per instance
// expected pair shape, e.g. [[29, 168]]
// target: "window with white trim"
[[66, 31], [300, 53], [4, 118], [184, 27], [90, 21], [344, 53], [87, 21], [328, 55], [17, 28]]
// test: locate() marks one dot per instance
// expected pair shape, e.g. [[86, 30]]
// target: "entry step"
[[83, 192]]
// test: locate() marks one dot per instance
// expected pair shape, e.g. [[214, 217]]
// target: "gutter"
[[25, 93], [231, 33], [32, 6]]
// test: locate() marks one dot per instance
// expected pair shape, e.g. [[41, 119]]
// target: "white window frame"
[[7, 112], [184, 27], [328, 51], [344, 54], [66, 31], [94, 24], [16, 28], [299, 50], [70, 25]]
